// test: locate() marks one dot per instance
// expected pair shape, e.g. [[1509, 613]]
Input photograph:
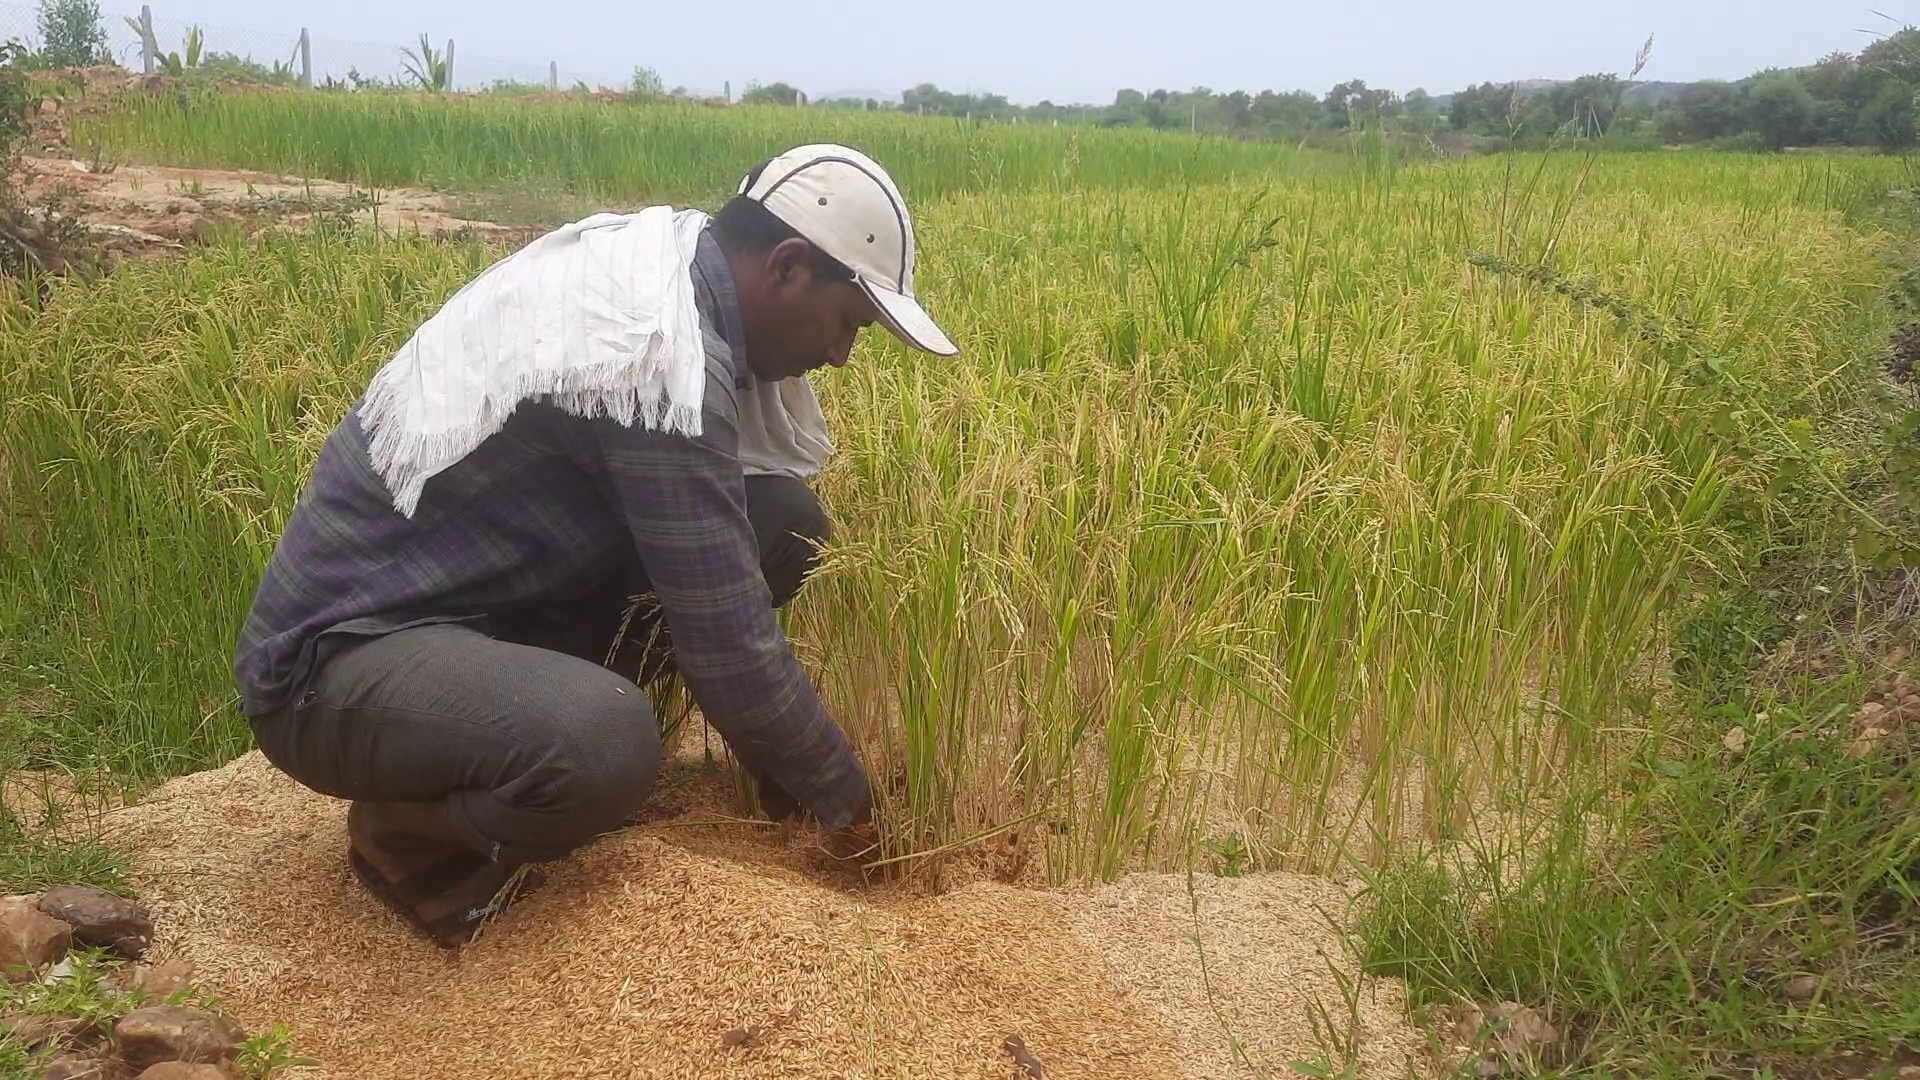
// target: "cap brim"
[[909, 322]]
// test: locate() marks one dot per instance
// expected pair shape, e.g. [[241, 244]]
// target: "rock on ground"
[[157, 982], [100, 918], [29, 939], [78, 1068], [147, 1037], [180, 1070]]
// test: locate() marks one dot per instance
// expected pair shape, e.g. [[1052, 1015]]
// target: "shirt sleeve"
[[684, 500]]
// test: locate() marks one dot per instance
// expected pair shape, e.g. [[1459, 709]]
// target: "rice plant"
[[1254, 508]]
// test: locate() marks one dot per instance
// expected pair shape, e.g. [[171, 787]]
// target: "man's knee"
[[608, 756], [791, 525], [782, 507]]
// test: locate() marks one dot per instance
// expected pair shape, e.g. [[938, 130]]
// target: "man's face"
[[797, 322]]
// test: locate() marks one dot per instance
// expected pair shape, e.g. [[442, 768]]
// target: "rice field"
[[1268, 508]]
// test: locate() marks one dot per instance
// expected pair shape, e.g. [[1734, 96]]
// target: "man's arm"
[[684, 500]]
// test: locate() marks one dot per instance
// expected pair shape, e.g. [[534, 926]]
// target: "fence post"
[[449, 65], [726, 91], [553, 75], [147, 41], [306, 59]]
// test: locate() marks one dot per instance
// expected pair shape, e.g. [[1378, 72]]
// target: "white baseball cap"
[[842, 202]]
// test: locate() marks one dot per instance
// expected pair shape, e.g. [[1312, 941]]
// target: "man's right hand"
[[858, 841]]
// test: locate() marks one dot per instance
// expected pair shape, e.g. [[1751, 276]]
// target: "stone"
[[1735, 740], [1519, 1030], [158, 982], [1802, 987], [180, 1070], [78, 1068], [100, 918], [1466, 1025], [149, 1036], [1505, 1040], [29, 940]]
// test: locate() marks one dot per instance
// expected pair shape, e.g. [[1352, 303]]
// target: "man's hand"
[[858, 842]]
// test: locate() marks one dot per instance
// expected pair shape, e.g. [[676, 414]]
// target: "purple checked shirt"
[[545, 507]]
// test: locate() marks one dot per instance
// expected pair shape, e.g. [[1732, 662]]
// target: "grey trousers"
[[531, 741]]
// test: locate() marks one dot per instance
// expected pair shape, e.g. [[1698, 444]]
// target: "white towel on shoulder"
[[597, 318]]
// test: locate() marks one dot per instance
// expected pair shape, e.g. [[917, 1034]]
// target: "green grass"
[[32, 864], [1663, 930], [1673, 919], [639, 153]]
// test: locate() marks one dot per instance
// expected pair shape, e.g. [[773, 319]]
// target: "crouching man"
[[619, 409]]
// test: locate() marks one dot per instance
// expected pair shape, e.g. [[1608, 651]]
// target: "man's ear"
[[787, 260]]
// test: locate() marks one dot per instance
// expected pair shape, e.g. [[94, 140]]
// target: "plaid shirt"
[[544, 508]]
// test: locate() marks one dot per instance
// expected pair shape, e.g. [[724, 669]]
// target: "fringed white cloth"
[[597, 318]]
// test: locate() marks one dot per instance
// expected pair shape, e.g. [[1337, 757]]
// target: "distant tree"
[[1483, 109], [775, 94], [1779, 110], [73, 34], [1236, 111], [1705, 110], [645, 85], [1896, 55], [1337, 108], [1832, 76], [933, 101], [1285, 114], [1422, 115], [1887, 120], [1587, 104]]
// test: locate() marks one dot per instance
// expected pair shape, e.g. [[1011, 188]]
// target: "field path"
[[645, 950]]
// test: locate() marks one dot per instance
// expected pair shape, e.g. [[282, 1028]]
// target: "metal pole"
[[148, 44], [553, 75], [306, 58], [449, 65]]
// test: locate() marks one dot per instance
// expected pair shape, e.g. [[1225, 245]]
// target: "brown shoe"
[[404, 856]]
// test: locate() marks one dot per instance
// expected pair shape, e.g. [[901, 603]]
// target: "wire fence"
[[295, 55]]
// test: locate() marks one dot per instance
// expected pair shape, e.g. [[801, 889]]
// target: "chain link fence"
[[293, 55]]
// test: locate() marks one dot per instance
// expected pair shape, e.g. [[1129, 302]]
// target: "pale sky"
[[1064, 51]]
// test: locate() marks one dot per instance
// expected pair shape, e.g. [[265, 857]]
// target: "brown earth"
[[680, 949], [156, 208]]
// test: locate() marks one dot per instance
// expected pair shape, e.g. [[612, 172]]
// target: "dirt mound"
[[675, 949], [162, 207]]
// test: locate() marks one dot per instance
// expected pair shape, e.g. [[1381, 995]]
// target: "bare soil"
[[156, 208]]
